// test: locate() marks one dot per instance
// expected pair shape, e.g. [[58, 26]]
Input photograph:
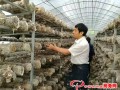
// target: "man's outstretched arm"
[[58, 49]]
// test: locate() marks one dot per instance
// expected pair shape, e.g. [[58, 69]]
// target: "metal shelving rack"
[[114, 49], [33, 34]]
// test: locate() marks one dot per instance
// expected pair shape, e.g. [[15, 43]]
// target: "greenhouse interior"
[[59, 44]]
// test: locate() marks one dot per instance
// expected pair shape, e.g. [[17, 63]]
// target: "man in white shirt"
[[79, 54]]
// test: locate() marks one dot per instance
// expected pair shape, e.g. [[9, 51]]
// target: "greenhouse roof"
[[96, 14]]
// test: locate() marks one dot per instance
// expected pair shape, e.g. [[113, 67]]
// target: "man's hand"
[[51, 46]]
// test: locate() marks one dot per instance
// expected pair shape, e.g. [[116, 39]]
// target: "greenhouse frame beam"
[[86, 1], [88, 15], [80, 10], [105, 14], [87, 7], [59, 11]]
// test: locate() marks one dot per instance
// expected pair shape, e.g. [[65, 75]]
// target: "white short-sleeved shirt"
[[80, 51]]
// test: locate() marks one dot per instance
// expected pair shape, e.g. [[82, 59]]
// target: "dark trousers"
[[79, 72]]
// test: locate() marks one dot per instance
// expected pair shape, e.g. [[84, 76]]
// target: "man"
[[91, 48], [79, 54], [91, 52]]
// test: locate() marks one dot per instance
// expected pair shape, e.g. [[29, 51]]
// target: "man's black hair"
[[82, 28]]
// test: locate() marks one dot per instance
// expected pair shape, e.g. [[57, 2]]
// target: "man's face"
[[77, 34]]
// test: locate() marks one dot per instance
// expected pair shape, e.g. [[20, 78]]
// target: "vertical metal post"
[[61, 43], [104, 55], [32, 51], [114, 46], [114, 51]]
